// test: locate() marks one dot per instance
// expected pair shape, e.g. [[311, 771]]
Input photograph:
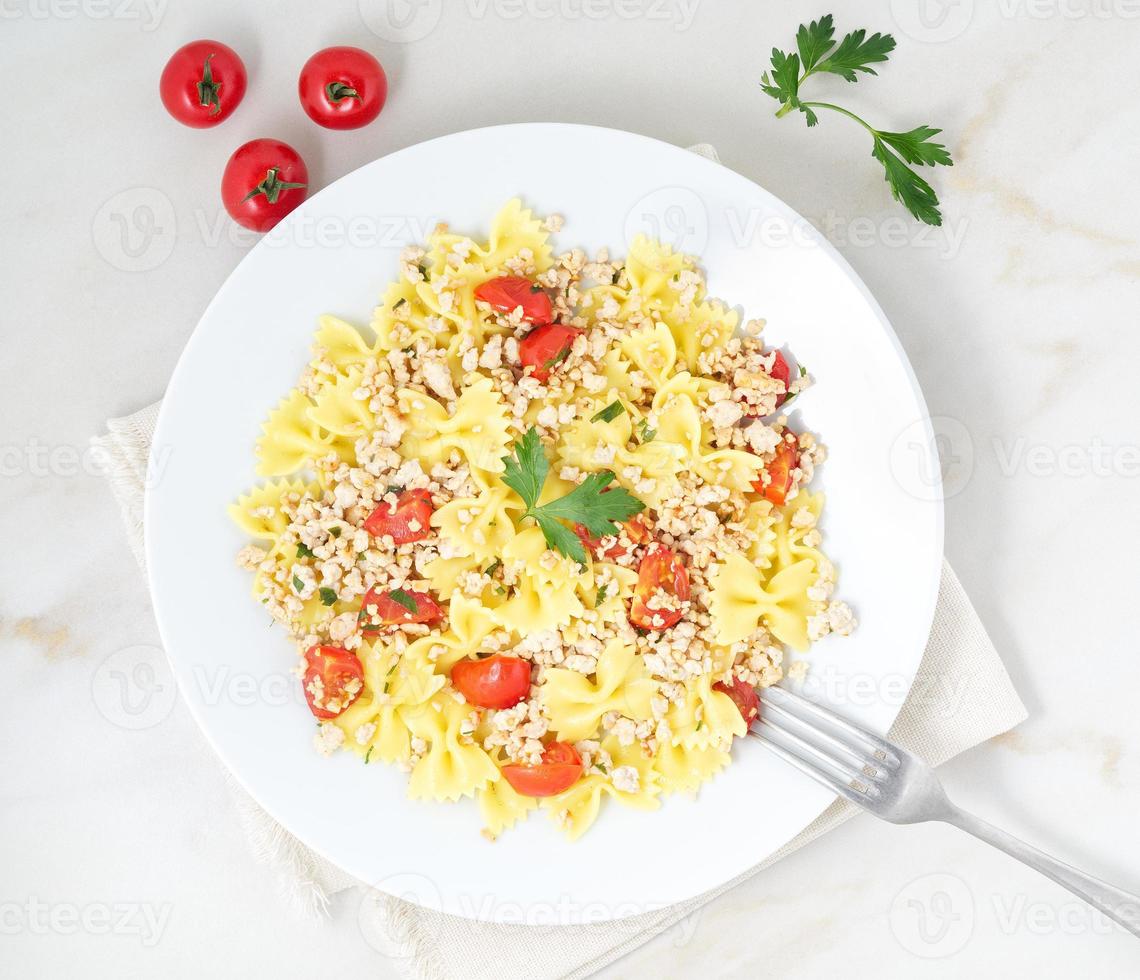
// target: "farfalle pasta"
[[541, 529]]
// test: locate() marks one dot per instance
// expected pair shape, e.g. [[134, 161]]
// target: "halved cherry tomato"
[[389, 611], [780, 471], [507, 293], [263, 181], [333, 679], [494, 682], [781, 371], [202, 83], [546, 346], [660, 569], [406, 521], [342, 88], [561, 767], [744, 696], [637, 529]]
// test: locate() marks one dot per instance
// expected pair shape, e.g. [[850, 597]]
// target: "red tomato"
[[342, 88], [780, 472], [333, 679], [781, 371], [546, 346], [202, 83], [507, 293], [744, 697], [560, 769], [263, 181], [408, 520], [493, 682], [637, 530], [660, 569], [389, 610]]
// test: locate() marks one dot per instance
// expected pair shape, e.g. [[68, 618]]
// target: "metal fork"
[[895, 784]]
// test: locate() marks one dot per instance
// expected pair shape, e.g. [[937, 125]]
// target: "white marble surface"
[[120, 851]]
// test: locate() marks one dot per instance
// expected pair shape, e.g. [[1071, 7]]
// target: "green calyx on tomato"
[[209, 91], [271, 187], [339, 91]]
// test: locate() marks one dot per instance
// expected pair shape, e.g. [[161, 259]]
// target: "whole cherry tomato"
[[560, 769], [408, 520], [494, 682], [779, 471], [334, 678], [202, 83], [660, 569], [546, 347], [380, 608], [743, 696], [507, 293], [342, 88], [263, 181]]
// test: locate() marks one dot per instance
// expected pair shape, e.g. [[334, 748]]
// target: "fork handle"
[[1113, 902]]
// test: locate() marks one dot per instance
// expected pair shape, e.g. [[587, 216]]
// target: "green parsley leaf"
[[855, 54], [527, 468], [328, 596], [298, 585], [815, 40], [602, 766], [644, 433], [303, 551], [335, 531], [601, 596], [493, 567], [557, 358], [368, 754], [609, 413], [400, 302], [525, 473], [405, 599]]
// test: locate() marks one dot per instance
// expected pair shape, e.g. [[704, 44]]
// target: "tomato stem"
[[271, 187], [209, 91], [339, 91]]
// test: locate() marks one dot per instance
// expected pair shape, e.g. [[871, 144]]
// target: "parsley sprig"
[[599, 512], [816, 52]]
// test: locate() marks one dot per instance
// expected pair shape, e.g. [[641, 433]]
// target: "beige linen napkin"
[[961, 697]]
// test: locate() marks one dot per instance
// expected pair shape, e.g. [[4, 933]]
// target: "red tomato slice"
[[660, 569], [637, 529], [507, 293], [333, 679], [389, 610], [780, 472], [744, 696], [781, 371], [546, 346], [493, 682], [561, 768], [408, 520]]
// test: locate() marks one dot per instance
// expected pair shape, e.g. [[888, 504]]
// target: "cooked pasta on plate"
[[542, 530]]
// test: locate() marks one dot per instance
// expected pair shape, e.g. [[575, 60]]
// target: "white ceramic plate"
[[333, 255]]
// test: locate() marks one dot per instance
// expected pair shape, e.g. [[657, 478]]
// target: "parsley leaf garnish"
[[328, 596], [304, 551], [601, 596], [405, 599], [816, 51], [644, 433], [298, 585], [587, 504], [368, 754], [609, 413], [335, 531]]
